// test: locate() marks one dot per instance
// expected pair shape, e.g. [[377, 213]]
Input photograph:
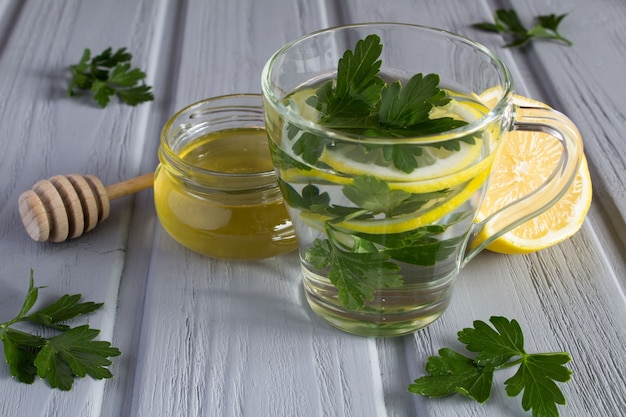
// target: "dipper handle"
[[66, 206]]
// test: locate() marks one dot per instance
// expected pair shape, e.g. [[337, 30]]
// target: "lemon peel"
[[403, 223]]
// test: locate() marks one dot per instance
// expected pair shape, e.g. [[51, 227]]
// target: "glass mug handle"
[[534, 119]]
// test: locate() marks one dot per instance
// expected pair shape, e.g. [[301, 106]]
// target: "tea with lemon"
[[374, 238]]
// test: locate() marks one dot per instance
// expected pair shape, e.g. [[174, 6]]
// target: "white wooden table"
[[204, 337]]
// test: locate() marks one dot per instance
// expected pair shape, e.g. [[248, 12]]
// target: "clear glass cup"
[[215, 188], [385, 263]]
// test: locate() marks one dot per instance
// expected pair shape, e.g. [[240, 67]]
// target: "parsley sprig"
[[359, 101], [109, 74], [497, 347], [507, 21], [59, 359], [361, 263]]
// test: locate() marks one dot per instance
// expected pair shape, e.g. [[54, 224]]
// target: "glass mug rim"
[[494, 114]]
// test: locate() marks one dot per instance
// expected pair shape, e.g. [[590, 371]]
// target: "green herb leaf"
[[451, 373], [356, 275], [360, 102], [402, 157], [61, 358], [309, 147], [109, 74], [74, 353], [373, 194], [498, 347], [20, 352], [423, 246], [31, 298], [80, 74], [496, 344], [355, 258], [357, 85], [405, 107], [536, 376], [508, 22], [65, 308], [310, 200]]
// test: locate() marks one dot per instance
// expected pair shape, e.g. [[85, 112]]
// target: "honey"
[[215, 188]]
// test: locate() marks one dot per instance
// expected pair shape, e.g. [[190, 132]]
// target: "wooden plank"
[[238, 337], [46, 134]]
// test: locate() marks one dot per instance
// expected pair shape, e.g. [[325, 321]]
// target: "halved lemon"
[[523, 163]]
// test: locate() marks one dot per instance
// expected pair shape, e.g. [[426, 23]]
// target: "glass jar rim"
[[494, 113], [172, 157]]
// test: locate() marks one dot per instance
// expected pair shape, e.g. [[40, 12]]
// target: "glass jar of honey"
[[215, 188]]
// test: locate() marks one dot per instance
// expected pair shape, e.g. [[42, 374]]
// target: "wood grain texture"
[[47, 134], [204, 337]]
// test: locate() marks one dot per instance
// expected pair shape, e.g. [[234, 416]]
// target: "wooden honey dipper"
[[66, 206]]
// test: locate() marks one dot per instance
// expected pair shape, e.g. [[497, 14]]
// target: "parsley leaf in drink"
[[374, 195], [356, 89], [507, 21], [356, 271], [358, 101], [497, 347], [360, 263], [59, 359], [109, 74]]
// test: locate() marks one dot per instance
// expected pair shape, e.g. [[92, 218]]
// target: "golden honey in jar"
[[215, 188]]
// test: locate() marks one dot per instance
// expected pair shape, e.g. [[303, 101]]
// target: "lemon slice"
[[406, 222], [525, 160], [434, 164], [316, 176]]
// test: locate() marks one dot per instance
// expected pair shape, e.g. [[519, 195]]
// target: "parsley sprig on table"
[[359, 101], [59, 359], [109, 74], [506, 21], [497, 347]]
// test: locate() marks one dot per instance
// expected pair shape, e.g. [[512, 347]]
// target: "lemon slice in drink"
[[403, 223], [437, 167], [302, 176], [433, 163], [526, 158], [453, 176]]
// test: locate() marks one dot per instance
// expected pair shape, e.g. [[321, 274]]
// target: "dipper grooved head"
[[63, 207]]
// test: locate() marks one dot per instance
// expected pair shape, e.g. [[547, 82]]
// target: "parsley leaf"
[[452, 372], [356, 274], [360, 263], [109, 74], [497, 347], [65, 308], [358, 101], [507, 21], [374, 195], [401, 107], [357, 86], [74, 353], [63, 357], [19, 351]]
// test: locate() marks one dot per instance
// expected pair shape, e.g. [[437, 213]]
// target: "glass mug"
[[381, 246]]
